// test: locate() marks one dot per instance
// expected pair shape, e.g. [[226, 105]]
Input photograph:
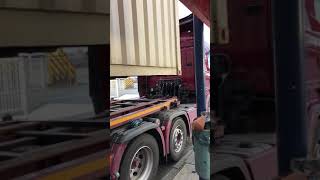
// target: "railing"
[[23, 82]]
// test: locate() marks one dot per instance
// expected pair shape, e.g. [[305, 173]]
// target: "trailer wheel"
[[141, 159], [219, 177], [178, 139]]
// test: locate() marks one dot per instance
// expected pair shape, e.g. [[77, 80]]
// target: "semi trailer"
[[156, 125]]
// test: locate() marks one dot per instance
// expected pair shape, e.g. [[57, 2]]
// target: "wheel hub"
[[141, 164], [178, 139]]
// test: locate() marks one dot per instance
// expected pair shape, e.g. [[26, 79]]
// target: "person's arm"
[[198, 124]]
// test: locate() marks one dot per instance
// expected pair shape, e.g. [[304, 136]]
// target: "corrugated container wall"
[[54, 22], [144, 37]]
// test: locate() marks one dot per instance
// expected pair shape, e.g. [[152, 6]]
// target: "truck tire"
[[141, 159], [219, 177], [178, 139]]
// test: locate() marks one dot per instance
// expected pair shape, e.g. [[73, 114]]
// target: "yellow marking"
[[54, 69], [128, 83], [59, 71], [68, 67], [60, 66], [67, 64], [78, 171], [139, 114]]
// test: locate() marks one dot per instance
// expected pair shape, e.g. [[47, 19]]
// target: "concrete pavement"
[[188, 171], [184, 169]]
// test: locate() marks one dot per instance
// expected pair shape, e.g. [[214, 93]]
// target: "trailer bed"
[[124, 111]]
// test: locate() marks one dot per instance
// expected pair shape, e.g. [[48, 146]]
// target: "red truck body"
[[187, 77], [248, 148], [187, 112]]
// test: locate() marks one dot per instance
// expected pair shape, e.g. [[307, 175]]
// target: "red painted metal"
[[201, 8], [187, 64], [166, 133], [163, 142], [250, 47], [117, 151], [260, 165], [250, 50]]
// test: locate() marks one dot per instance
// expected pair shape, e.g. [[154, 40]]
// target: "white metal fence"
[[114, 88], [23, 82], [11, 89], [122, 86]]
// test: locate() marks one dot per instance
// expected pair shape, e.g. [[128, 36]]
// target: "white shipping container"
[[144, 37]]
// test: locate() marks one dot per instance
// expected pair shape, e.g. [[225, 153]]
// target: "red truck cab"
[[247, 103]]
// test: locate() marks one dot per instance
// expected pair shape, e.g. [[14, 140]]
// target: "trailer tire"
[[143, 154], [219, 177], [178, 139]]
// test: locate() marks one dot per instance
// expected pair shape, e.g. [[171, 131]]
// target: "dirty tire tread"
[[173, 155], [142, 140]]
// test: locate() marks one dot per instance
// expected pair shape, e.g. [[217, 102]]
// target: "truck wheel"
[[141, 159], [220, 177], [178, 139]]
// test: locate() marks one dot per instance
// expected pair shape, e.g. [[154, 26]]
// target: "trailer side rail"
[[124, 111]]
